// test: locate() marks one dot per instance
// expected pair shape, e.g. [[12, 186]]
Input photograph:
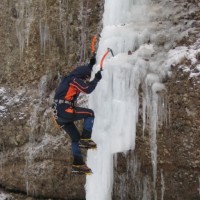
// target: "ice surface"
[[116, 98]]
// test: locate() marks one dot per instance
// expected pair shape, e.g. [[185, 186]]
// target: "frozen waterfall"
[[127, 26]]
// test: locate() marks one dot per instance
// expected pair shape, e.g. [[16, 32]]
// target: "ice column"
[[44, 29], [63, 23], [23, 23], [116, 98], [83, 19], [163, 185], [153, 115]]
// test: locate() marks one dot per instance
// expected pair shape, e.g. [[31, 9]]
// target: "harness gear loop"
[[73, 106], [54, 116]]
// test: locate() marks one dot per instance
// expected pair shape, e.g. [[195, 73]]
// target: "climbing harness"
[[54, 116]]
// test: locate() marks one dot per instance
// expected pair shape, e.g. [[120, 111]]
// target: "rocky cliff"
[[40, 42]]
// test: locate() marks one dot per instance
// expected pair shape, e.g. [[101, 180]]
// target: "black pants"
[[66, 116]]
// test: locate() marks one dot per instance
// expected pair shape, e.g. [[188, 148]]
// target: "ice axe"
[[104, 56], [93, 43], [94, 40]]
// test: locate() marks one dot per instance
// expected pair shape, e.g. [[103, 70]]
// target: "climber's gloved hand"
[[93, 60], [98, 75]]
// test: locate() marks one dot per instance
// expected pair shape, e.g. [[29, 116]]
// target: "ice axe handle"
[[103, 58], [94, 40]]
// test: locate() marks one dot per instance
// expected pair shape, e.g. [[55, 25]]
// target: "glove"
[[98, 75], [93, 60]]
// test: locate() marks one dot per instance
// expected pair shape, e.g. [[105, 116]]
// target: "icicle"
[[1, 161], [63, 23], [154, 114], [44, 35], [199, 186], [23, 23], [44, 30], [162, 185], [60, 15], [82, 31], [146, 194], [27, 187], [83, 19], [115, 160], [85, 29]]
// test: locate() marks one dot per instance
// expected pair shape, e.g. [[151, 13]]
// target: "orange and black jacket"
[[71, 85]]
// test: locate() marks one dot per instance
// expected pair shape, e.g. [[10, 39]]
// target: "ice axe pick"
[[104, 56]]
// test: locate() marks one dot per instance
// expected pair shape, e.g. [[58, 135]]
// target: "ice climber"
[[67, 112]]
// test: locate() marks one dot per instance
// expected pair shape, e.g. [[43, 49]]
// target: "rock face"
[[41, 40]]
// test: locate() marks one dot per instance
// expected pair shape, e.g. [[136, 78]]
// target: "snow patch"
[[34, 150], [181, 54], [2, 91], [4, 196], [9, 99]]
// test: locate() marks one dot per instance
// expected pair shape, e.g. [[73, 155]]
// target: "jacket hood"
[[81, 72]]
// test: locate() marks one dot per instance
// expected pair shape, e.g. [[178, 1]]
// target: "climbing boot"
[[87, 144], [81, 169]]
